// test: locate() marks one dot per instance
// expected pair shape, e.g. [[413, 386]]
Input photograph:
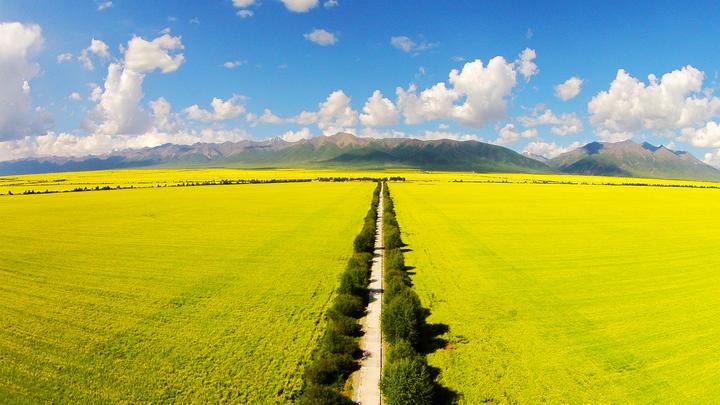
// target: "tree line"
[[191, 183], [338, 351], [407, 377]]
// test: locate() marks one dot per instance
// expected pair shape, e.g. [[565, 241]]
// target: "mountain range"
[[344, 150]]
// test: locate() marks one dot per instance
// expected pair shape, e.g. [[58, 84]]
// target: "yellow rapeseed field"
[[193, 294], [569, 293]]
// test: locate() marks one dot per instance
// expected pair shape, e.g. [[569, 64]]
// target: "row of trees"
[[407, 378], [338, 351]]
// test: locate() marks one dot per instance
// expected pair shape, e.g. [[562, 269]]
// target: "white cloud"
[[321, 37], [144, 56], [65, 144], [64, 57], [243, 3], [294, 136], [435, 135], [194, 20], [18, 44], [232, 64], [245, 13], [330, 3], [335, 114], [221, 109], [707, 136], [300, 6], [713, 158], [525, 64], [104, 5], [163, 117], [95, 92], [569, 89], [96, 47], [74, 96], [379, 111], [406, 44], [549, 150], [118, 111], [267, 117], [482, 89], [630, 106], [565, 124], [508, 134]]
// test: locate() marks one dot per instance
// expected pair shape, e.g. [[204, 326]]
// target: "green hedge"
[[406, 375], [335, 357]]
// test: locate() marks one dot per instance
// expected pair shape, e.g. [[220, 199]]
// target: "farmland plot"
[[175, 294], [569, 293]]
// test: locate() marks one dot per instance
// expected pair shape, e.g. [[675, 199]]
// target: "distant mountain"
[[630, 159], [348, 151], [339, 150]]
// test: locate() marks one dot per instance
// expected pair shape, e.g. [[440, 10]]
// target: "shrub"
[[407, 381], [318, 394], [403, 317], [394, 285], [402, 349], [349, 305], [394, 259], [337, 343], [343, 324], [329, 369]]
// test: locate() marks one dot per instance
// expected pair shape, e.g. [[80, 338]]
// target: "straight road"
[[367, 379]]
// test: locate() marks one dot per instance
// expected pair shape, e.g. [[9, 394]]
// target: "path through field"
[[367, 379]]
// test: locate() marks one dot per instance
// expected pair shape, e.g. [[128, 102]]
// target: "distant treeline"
[[337, 354], [192, 183], [407, 377], [587, 183]]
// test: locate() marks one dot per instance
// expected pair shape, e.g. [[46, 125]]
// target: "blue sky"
[[359, 47]]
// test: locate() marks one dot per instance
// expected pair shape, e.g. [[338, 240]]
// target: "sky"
[[91, 76]]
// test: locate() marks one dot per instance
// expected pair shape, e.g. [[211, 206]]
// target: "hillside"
[[630, 159], [340, 150]]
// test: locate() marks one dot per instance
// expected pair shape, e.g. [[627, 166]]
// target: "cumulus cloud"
[[321, 37], [565, 124], [526, 65], [509, 134], [97, 47], [221, 109], [294, 136], [267, 117], [569, 89], [18, 44], [74, 96], [118, 110], [713, 158], [144, 56], [66, 144], [335, 114], [330, 3], [630, 106], [300, 6], [482, 90], [707, 136], [407, 45], [379, 111], [549, 150]]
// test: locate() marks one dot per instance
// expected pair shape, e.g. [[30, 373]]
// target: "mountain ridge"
[[344, 150]]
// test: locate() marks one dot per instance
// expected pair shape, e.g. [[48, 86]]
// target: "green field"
[[193, 294], [569, 293]]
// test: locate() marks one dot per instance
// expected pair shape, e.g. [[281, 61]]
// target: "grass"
[[568, 293], [200, 294]]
